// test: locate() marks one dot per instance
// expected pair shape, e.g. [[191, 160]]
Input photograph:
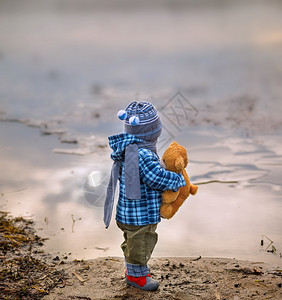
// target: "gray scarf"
[[131, 174]]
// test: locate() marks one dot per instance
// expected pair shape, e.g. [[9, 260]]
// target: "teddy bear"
[[175, 159]]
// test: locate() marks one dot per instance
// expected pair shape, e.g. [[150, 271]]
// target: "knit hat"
[[141, 120]]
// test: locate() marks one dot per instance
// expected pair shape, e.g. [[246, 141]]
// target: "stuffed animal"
[[175, 159]]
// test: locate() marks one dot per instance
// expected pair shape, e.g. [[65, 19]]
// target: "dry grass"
[[22, 276]]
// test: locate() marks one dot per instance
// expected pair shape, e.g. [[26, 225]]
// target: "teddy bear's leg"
[[176, 204], [166, 211], [169, 196], [193, 189]]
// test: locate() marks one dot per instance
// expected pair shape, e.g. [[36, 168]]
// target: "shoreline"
[[28, 272]]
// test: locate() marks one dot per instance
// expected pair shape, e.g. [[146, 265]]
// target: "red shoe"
[[145, 283]]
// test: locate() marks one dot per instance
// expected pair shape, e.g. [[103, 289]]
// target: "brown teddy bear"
[[175, 159]]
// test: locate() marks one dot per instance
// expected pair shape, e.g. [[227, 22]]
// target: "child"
[[142, 181]]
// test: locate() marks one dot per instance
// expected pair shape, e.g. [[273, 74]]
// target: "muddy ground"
[[180, 278]]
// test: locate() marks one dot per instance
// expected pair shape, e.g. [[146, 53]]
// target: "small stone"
[[279, 285], [181, 265], [56, 258], [236, 285]]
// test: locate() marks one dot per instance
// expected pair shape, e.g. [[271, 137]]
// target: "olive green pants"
[[139, 242]]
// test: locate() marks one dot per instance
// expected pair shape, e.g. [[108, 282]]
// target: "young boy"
[[142, 181]]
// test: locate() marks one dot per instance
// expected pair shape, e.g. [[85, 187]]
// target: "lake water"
[[66, 70]]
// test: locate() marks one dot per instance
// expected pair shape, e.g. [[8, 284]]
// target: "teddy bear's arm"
[[193, 189]]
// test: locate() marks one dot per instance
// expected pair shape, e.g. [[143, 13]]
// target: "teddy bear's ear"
[[173, 144], [179, 164]]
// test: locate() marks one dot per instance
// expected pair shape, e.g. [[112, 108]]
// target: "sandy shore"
[[180, 278], [28, 272]]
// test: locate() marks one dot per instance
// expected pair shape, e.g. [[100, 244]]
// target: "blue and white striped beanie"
[[141, 120]]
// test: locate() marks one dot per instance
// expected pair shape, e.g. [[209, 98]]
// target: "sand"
[[180, 278], [28, 272]]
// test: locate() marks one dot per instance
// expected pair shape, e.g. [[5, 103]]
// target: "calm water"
[[67, 70]]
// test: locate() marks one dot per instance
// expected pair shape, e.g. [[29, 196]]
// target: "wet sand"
[[180, 278]]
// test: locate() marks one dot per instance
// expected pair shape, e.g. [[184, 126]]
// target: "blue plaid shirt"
[[154, 180]]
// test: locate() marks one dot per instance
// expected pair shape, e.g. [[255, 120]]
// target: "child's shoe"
[[145, 283]]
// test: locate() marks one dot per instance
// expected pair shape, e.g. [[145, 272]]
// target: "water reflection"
[[222, 220]]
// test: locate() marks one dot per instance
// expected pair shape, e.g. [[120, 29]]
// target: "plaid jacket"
[[154, 180]]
